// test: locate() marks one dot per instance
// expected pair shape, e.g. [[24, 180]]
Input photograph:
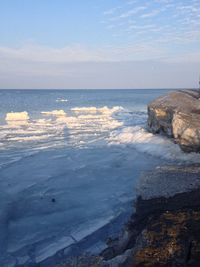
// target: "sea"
[[70, 162]]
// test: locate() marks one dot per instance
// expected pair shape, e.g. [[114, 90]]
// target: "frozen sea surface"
[[69, 164]]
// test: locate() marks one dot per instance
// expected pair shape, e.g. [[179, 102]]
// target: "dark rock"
[[82, 261]]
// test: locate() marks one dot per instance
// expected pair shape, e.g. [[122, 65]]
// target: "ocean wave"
[[155, 145]]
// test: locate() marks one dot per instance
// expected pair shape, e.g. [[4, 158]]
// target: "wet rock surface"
[[177, 115]]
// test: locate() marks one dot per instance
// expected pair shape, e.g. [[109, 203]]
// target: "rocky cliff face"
[[177, 115]]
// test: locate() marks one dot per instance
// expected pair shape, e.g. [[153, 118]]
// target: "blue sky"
[[99, 43]]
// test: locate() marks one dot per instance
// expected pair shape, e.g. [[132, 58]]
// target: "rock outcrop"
[[177, 115]]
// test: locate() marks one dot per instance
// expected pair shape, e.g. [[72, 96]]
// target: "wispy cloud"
[[132, 12], [151, 14], [178, 21], [111, 11]]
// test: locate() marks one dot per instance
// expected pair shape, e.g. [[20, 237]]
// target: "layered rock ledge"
[[177, 115]]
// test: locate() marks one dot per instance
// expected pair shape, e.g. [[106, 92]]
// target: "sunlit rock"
[[177, 115]]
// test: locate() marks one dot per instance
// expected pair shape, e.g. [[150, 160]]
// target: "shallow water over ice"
[[69, 163]]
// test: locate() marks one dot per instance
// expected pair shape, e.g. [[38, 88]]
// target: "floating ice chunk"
[[17, 116], [54, 112]]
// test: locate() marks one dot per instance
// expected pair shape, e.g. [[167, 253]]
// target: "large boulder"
[[177, 115]]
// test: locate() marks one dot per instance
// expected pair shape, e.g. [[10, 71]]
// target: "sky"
[[99, 44]]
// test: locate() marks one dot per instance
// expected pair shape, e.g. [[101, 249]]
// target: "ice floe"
[[17, 116]]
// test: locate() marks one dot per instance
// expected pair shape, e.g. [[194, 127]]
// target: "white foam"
[[104, 109], [30, 138], [85, 109], [3, 134], [54, 112], [17, 116], [61, 100], [99, 122], [155, 145], [32, 131], [110, 110]]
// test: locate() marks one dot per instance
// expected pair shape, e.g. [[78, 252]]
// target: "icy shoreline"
[[83, 173], [164, 229]]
